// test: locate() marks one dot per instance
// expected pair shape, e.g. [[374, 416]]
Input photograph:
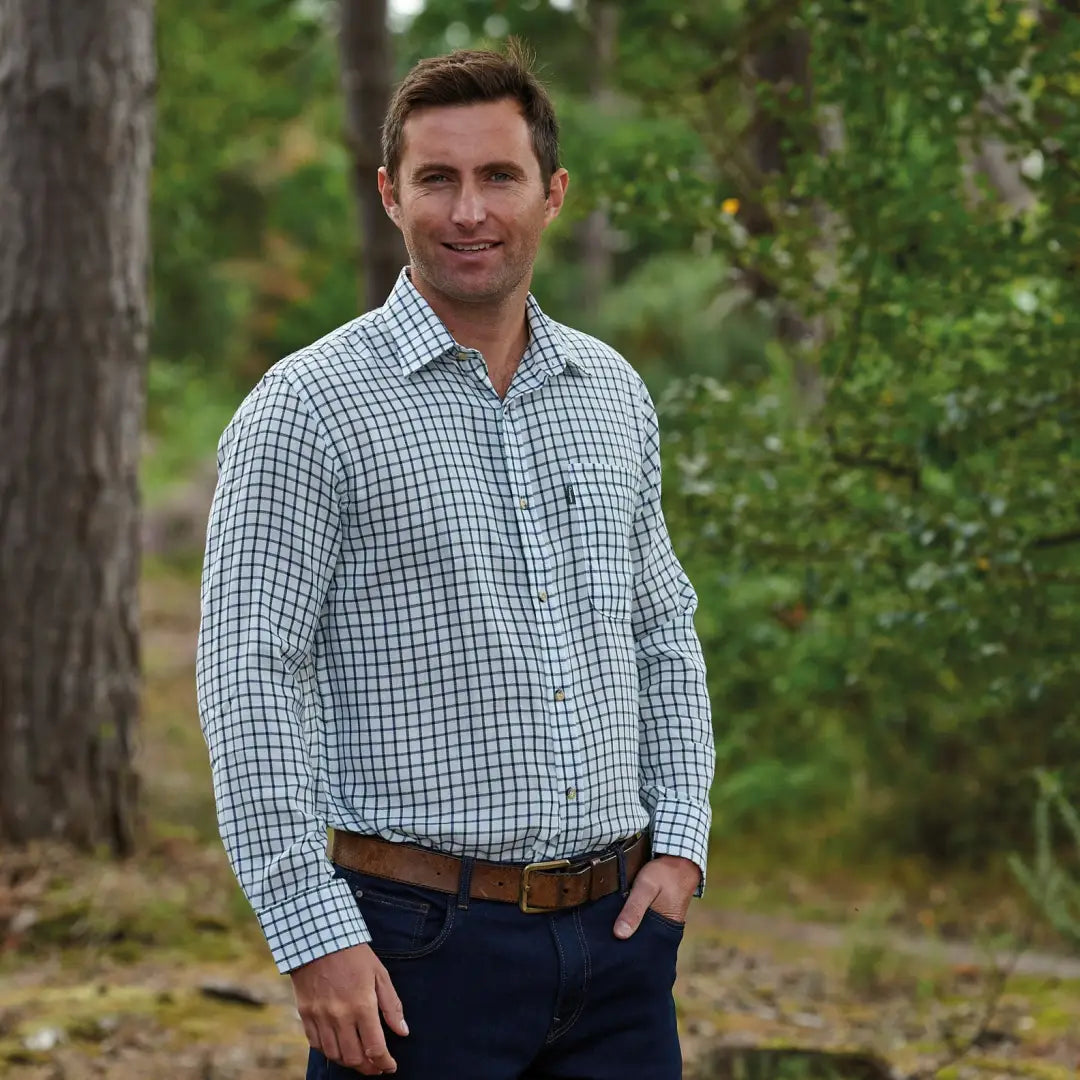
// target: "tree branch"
[[861, 304], [866, 459], [1017, 125], [762, 21], [1055, 540]]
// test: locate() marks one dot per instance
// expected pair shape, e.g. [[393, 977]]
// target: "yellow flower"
[[730, 206]]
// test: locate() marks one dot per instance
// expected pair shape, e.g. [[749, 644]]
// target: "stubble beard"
[[515, 265], [487, 290]]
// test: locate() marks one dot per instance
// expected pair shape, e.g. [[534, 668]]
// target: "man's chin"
[[472, 290]]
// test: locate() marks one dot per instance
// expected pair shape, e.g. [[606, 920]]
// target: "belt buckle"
[[523, 901]]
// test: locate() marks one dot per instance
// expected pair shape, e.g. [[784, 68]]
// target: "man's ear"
[[560, 179], [386, 190]]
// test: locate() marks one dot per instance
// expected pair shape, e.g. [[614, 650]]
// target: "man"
[[441, 614]]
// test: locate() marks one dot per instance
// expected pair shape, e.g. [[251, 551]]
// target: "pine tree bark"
[[366, 63], [595, 231], [76, 118]]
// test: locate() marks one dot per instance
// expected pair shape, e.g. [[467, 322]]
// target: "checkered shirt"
[[441, 617]]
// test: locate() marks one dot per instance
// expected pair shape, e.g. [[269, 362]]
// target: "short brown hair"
[[466, 77]]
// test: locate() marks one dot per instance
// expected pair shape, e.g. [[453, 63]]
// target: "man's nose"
[[468, 210]]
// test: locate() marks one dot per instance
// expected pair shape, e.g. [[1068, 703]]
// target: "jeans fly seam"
[[588, 972], [553, 1032], [559, 1032]]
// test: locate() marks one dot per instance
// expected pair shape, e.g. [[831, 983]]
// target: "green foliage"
[[1047, 881], [187, 409], [897, 490], [668, 316], [251, 216]]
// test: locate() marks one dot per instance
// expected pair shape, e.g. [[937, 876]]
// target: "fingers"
[[643, 893], [328, 1042], [350, 1051], [373, 1039], [390, 1004], [312, 1032]]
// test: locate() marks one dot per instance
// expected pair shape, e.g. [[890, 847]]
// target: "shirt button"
[[523, 503], [462, 354], [571, 793], [559, 695], [542, 596]]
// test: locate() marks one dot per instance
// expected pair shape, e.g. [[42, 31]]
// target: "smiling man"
[[442, 615]]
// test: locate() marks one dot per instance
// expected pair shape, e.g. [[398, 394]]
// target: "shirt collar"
[[421, 336], [555, 348]]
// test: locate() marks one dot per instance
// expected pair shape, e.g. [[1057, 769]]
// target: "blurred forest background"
[[840, 239]]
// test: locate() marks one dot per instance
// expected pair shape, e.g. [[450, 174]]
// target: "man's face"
[[470, 201]]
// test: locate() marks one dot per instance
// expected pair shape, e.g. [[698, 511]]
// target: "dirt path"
[[828, 936]]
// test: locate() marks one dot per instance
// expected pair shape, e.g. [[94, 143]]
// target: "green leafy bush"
[[1050, 885], [884, 529]]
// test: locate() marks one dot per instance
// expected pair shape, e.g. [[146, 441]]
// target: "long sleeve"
[[678, 755], [273, 544]]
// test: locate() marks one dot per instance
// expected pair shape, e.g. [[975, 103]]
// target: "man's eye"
[[435, 178], [501, 177]]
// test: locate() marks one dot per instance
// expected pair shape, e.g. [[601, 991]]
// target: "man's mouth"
[[484, 246]]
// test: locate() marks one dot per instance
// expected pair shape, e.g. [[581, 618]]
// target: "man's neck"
[[499, 331]]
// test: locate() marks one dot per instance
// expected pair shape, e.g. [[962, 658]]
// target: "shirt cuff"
[[682, 828], [313, 924]]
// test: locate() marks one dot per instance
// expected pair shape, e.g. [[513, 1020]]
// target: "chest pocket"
[[603, 504]]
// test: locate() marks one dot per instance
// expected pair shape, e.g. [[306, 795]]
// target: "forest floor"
[[154, 968]]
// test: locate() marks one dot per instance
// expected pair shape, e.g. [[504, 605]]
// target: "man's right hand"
[[339, 998]]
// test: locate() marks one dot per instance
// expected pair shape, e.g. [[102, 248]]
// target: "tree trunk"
[[76, 117], [782, 61], [366, 60], [595, 230]]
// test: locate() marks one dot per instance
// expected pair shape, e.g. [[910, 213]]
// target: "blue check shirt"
[[441, 617]]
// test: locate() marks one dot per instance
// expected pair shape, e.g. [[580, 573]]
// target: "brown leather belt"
[[539, 886]]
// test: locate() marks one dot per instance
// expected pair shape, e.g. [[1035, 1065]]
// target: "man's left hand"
[[664, 884]]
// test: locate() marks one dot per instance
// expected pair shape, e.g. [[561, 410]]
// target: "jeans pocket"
[[674, 928], [602, 519], [405, 921]]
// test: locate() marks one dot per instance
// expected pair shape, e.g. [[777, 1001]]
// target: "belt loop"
[[620, 855], [465, 882]]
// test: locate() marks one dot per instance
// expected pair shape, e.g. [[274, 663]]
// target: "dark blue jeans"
[[493, 993]]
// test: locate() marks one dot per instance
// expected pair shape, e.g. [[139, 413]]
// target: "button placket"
[[540, 564]]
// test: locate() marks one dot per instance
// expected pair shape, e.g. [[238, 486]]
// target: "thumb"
[[633, 911]]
